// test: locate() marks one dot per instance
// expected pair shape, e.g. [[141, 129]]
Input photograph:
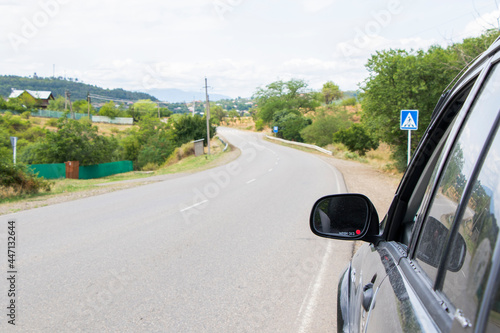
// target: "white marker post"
[[409, 122], [13, 142]]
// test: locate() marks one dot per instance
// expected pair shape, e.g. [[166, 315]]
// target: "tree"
[[402, 80], [356, 138], [324, 125], [82, 106], [217, 113], [279, 96], [74, 140], [331, 92], [290, 125], [146, 107], [109, 109], [189, 128], [57, 104]]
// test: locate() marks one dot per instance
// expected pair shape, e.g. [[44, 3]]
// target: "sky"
[[238, 45]]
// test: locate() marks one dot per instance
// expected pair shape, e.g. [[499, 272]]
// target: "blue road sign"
[[275, 129], [409, 120]]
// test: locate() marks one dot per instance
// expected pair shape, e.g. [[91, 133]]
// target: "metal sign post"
[[13, 142], [409, 122]]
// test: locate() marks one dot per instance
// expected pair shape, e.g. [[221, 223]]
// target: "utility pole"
[[208, 117], [65, 100], [158, 104], [70, 106], [88, 103]]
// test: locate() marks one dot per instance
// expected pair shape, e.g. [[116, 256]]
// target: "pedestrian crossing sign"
[[409, 120]]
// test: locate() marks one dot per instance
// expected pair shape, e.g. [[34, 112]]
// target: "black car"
[[433, 262]]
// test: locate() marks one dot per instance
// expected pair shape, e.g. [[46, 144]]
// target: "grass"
[[379, 158], [186, 164]]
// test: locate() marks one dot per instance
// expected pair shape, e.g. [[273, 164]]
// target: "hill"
[[58, 86], [180, 96]]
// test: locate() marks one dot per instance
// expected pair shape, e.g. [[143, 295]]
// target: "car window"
[[467, 264]]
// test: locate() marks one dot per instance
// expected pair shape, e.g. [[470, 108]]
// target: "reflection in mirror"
[[432, 242], [342, 215]]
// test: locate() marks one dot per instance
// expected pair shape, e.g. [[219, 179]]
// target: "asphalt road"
[[224, 250]]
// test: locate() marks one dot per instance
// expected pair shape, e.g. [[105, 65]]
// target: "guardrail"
[[224, 143], [322, 150]]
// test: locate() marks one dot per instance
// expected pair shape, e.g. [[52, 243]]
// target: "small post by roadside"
[[409, 122]]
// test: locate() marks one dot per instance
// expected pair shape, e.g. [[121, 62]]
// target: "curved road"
[[224, 250]]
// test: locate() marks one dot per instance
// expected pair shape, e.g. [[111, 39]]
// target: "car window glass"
[[493, 324], [479, 228], [460, 164]]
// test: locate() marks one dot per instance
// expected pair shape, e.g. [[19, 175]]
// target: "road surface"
[[224, 250]]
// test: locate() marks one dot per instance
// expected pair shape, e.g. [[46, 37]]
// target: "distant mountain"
[[179, 96], [58, 86]]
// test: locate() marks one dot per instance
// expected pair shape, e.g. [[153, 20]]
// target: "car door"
[[447, 277], [434, 254]]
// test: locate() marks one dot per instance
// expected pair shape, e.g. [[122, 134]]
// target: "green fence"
[[54, 171], [104, 169], [49, 171]]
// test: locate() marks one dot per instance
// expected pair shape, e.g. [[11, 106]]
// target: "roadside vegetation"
[[398, 80], [361, 125]]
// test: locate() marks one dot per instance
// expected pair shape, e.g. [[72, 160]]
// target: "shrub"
[[52, 122], [259, 125], [18, 180], [356, 139]]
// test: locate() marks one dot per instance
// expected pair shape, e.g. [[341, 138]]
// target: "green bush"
[[356, 139], [20, 180], [259, 125]]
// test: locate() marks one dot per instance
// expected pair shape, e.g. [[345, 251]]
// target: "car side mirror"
[[346, 217], [430, 250]]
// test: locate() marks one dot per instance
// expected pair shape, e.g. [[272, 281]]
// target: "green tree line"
[[398, 80], [59, 85]]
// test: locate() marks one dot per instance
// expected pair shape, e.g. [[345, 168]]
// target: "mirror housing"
[[345, 217]]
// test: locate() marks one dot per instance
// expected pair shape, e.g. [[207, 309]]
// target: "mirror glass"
[[433, 239], [342, 215]]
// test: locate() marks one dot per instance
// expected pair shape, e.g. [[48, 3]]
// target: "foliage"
[[259, 125], [110, 109], [290, 124], [189, 128], [331, 92], [400, 80], [279, 96], [57, 104], [217, 114], [82, 106], [156, 150], [351, 101], [20, 179], [356, 139], [73, 141], [324, 125]]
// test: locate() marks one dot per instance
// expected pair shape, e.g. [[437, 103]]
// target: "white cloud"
[[482, 23]]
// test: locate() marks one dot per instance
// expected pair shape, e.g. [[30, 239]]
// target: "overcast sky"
[[238, 45]]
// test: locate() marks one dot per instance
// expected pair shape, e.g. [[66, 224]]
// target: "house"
[[42, 98]]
